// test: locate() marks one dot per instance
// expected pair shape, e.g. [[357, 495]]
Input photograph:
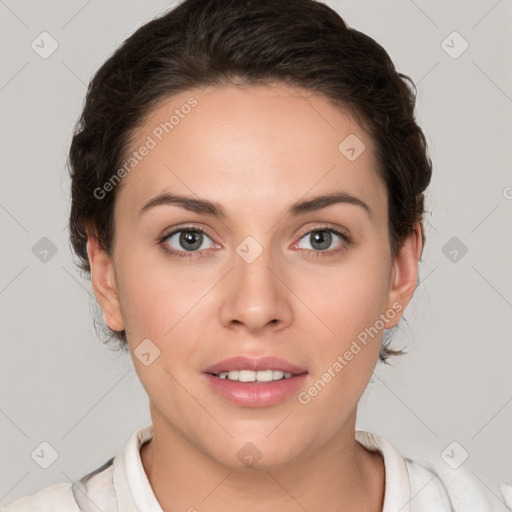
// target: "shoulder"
[[54, 498], [94, 488], [433, 482], [427, 482], [94, 491]]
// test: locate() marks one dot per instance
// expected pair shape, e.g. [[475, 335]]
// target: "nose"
[[257, 297]]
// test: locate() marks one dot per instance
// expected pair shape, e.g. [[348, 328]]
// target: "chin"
[[254, 453]]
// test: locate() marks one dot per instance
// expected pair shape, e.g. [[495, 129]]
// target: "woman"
[[248, 188]]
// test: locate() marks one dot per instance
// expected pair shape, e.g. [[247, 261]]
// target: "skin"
[[254, 150]]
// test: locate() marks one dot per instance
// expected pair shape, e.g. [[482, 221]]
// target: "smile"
[[252, 376]]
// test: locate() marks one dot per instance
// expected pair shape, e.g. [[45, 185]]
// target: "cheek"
[[345, 298], [156, 294], [347, 329], [162, 304], [346, 342]]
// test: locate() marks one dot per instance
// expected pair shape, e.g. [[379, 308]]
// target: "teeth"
[[252, 376]]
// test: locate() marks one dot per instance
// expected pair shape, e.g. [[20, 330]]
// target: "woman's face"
[[265, 279]]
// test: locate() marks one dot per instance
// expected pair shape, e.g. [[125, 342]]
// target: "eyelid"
[[344, 233], [185, 227]]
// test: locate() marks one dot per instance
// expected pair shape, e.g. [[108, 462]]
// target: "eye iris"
[[188, 237], [324, 238]]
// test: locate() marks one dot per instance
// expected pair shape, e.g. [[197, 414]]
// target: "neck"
[[341, 475]]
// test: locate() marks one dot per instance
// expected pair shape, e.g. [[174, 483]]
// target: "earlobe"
[[404, 276], [104, 284]]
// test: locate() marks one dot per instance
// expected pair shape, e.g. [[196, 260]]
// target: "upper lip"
[[255, 364]]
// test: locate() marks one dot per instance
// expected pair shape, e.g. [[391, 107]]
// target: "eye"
[[321, 240], [190, 242], [183, 241]]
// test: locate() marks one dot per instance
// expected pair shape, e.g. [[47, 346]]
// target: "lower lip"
[[256, 394]]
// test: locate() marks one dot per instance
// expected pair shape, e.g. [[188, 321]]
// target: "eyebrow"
[[214, 208]]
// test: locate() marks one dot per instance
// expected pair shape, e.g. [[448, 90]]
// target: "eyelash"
[[199, 254]]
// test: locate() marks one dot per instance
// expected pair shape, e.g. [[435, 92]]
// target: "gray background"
[[60, 385]]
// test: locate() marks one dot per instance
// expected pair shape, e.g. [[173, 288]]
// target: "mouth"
[[255, 382]]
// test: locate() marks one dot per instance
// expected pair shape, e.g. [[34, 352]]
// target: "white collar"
[[134, 492], [397, 488]]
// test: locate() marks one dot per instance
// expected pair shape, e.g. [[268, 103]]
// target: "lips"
[[255, 364]]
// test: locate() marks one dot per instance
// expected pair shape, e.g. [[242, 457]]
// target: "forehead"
[[273, 143]]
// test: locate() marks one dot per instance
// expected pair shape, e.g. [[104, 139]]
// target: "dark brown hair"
[[221, 42]]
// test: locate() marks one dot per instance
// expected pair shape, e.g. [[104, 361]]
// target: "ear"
[[404, 275], [103, 283]]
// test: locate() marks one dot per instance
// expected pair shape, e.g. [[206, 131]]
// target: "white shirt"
[[121, 485]]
